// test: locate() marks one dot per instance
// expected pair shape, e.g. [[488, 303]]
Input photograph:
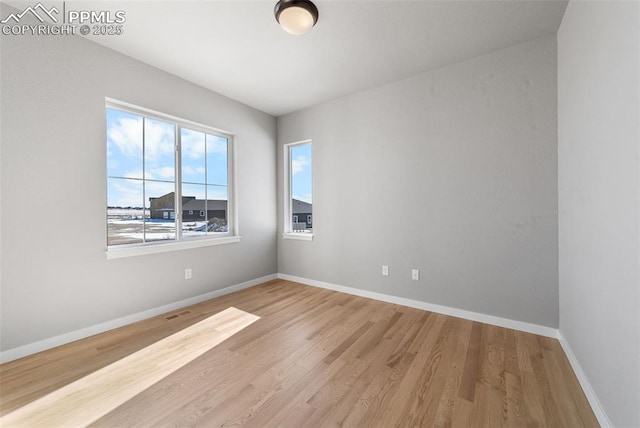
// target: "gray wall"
[[599, 198], [55, 276], [454, 172]]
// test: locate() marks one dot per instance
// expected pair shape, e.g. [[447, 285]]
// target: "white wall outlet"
[[187, 273], [415, 274], [385, 270]]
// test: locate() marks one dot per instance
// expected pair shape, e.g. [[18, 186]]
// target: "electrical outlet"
[[385, 270], [187, 273], [415, 274]]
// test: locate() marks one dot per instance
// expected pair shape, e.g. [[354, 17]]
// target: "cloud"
[[299, 164], [196, 144], [198, 191], [125, 193], [126, 134], [219, 193], [165, 172], [216, 145], [193, 144], [162, 173], [159, 139], [188, 170], [156, 189], [135, 174], [129, 193]]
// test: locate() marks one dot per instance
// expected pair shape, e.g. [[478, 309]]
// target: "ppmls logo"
[[33, 11], [99, 23]]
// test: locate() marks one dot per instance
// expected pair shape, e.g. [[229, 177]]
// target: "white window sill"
[[140, 250], [298, 236]]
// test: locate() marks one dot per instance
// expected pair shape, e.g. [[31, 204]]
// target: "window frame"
[[180, 242], [288, 232]]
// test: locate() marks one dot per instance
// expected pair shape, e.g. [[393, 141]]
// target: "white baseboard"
[[52, 342], [446, 310], [597, 408]]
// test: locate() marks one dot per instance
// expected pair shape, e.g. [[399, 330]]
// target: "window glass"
[[300, 187], [145, 195]]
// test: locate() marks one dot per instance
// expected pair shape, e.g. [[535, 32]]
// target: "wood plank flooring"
[[82, 402], [321, 358]]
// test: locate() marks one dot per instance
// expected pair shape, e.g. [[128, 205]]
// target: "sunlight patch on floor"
[[88, 399]]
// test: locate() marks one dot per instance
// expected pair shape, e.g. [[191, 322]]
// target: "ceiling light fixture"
[[296, 16]]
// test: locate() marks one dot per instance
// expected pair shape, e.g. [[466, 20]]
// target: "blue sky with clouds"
[[204, 161], [301, 169]]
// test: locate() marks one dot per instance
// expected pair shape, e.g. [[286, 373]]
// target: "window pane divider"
[[144, 184], [178, 184]]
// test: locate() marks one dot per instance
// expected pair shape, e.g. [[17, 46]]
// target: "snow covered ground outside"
[[127, 226]]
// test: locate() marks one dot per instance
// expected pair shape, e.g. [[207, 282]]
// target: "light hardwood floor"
[[320, 358]]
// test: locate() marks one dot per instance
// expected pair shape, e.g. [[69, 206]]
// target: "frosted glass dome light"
[[296, 16]]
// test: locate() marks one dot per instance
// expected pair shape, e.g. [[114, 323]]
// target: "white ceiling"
[[237, 49]]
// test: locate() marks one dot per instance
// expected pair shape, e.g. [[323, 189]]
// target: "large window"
[[298, 191], [168, 180]]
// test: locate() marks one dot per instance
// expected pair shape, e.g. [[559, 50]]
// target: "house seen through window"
[[300, 197], [167, 179]]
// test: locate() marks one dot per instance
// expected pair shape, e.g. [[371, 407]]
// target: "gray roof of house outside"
[[198, 205], [300, 207]]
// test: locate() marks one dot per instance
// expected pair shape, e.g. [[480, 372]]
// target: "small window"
[[201, 213], [190, 212], [298, 190]]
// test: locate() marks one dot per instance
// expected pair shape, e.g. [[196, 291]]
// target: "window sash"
[[289, 229], [179, 124]]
